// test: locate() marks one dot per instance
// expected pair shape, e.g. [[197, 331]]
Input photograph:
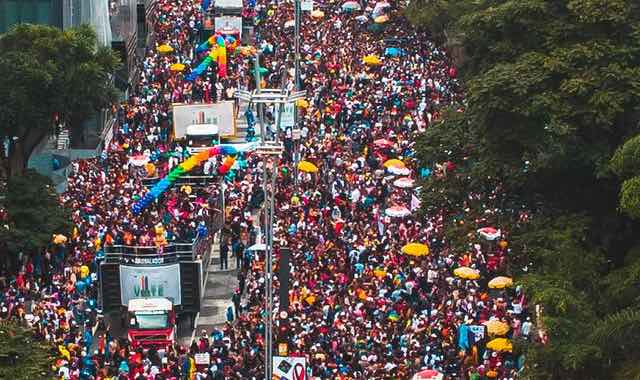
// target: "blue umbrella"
[[397, 294], [393, 52]]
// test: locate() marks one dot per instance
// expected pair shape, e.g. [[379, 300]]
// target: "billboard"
[[306, 5], [289, 368], [228, 25], [156, 281], [220, 113]]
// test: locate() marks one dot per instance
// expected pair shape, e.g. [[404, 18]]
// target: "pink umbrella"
[[139, 160], [428, 374], [489, 233], [404, 182], [397, 212], [383, 143]]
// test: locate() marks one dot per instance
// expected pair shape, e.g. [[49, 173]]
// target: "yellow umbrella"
[[381, 19], [496, 328], [467, 273], [317, 14], [165, 49], [177, 67], [247, 50], [59, 239], [501, 282], [393, 162], [500, 344], [416, 249], [302, 103], [380, 273], [371, 59], [310, 299], [307, 167]]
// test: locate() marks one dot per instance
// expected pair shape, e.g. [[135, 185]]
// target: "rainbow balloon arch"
[[185, 167], [218, 53]]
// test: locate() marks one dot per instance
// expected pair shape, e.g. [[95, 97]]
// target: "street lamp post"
[[272, 148], [296, 116]]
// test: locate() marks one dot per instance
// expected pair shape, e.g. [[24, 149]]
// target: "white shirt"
[[355, 195]]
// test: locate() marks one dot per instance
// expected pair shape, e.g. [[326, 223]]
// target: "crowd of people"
[[360, 308]]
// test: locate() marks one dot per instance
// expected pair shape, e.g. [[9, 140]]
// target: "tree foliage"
[[34, 213], [32, 358], [48, 74], [553, 93]]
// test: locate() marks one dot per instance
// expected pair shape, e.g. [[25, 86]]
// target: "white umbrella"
[[398, 170], [290, 24], [258, 247], [404, 182], [397, 212], [351, 6]]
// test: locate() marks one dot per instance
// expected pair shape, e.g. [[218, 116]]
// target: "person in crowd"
[[224, 254]]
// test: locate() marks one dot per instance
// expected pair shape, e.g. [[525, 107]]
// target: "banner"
[[289, 368], [220, 114], [156, 281], [203, 358], [228, 25], [287, 119], [478, 332]]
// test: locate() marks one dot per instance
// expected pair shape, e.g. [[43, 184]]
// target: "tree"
[[50, 76], [34, 213], [553, 90], [626, 165], [438, 15], [33, 359]]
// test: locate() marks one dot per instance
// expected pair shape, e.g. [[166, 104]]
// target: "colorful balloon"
[[184, 167]]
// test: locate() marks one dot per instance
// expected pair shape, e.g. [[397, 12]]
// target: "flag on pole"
[[415, 202]]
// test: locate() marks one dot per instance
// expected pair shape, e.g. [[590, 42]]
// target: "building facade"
[[48, 12]]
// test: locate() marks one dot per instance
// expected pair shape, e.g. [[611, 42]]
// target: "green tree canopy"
[[553, 90], [47, 74], [33, 359], [34, 213]]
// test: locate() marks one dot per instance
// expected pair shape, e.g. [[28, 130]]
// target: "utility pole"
[[273, 149], [295, 133]]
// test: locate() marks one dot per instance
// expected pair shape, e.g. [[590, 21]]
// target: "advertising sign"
[[220, 114], [306, 5], [157, 281], [289, 368], [202, 358]]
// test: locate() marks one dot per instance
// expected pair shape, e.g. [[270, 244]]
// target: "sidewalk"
[[219, 289]]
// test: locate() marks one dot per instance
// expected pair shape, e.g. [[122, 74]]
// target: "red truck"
[[152, 323]]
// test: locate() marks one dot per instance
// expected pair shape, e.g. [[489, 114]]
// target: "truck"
[[202, 136], [152, 323]]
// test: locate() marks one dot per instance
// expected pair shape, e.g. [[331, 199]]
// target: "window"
[[152, 321]]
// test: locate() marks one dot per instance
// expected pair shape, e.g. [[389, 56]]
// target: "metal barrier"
[[149, 255], [152, 255]]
